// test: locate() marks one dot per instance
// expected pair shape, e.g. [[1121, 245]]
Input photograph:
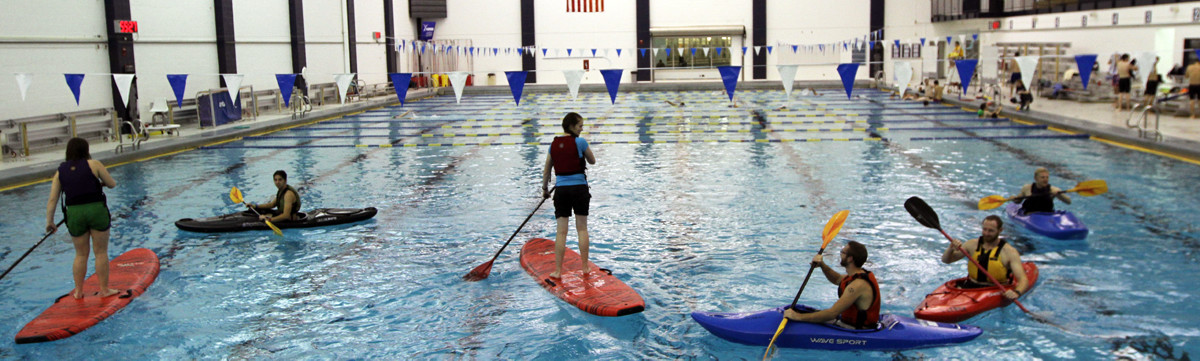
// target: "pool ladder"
[[1139, 119]]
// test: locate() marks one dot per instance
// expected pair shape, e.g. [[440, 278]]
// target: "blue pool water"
[[702, 207]]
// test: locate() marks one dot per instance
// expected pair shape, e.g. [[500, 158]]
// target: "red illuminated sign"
[[125, 26], [996, 25]]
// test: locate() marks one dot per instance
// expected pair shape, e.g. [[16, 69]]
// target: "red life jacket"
[[861, 319], [565, 155]]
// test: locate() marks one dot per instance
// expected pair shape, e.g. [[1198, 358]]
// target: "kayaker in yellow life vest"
[[1001, 259], [858, 301], [1039, 196]]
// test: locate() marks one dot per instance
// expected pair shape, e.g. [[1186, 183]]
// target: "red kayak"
[[597, 293], [952, 304], [131, 273]]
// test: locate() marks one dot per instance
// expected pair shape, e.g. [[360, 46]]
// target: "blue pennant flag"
[[495, 51], [729, 75], [949, 39], [544, 51], [794, 47], [822, 47], [922, 41], [769, 49], [1084, 64], [871, 45], [73, 81], [422, 48], [966, 70], [568, 51], [178, 84], [400, 84], [521, 51], [896, 43], [975, 36], [668, 50], [286, 81], [612, 80], [693, 51], [847, 71], [516, 82], [593, 53], [643, 52], [719, 51], [618, 52], [744, 50], [845, 46]]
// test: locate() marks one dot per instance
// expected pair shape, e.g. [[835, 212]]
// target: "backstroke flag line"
[[847, 71]]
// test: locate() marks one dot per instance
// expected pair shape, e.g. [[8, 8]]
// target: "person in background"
[[1016, 74], [999, 259], [567, 157], [1024, 96], [79, 179], [1125, 71], [1152, 81], [858, 301], [1193, 78]]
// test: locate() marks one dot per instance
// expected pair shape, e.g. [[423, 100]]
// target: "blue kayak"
[[893, 332], [1058, 224]]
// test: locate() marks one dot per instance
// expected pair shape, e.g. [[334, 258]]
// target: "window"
[[687, 60]]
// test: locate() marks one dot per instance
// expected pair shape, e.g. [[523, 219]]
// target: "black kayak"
[[248, 221]]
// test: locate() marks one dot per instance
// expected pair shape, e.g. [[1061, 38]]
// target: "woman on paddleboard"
[[566, 157], [80, 179]]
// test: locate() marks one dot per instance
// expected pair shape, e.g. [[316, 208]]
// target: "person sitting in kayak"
[[287, 200], [1039, 195], [566, 157], [1001, 259], [858, 301]]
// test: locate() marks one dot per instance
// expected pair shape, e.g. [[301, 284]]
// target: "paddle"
[[925, 215], [482, 271], [1085, 188], [235, 195], [14, 265], [831, 229]]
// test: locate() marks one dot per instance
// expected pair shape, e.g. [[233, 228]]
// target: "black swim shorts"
[[568, 198]]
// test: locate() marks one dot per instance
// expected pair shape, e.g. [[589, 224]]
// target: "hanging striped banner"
[[585, 6]]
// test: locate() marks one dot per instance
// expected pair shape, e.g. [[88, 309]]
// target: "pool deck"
[[1181, 135]]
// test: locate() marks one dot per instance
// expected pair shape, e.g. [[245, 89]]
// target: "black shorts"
[[1123, 85], [1015, 76], [1151, 88], [569, 198], [1194, 91]]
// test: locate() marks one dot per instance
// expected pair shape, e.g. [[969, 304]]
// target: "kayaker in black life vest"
[[1039, 195], [566, 157], [80, 179], [287, 200], [1001, 259], [858, 301]]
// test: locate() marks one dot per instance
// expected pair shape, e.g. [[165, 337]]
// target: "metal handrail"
[[1141, 121]]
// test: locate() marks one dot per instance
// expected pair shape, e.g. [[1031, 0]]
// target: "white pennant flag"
[[23, 82], [705, 51], [573, 76], [904, 73], [343, 84], [458, 79], [1027, 65], [233, 83], [730, 50], [787, 74], [962, 40], [1145, 64], [655, 52], [757, 50], [606, 52], [123, 83]]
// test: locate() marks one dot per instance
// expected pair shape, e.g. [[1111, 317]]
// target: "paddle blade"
[[991, 202], [1093, 187], [782, 324], [833, 227], [235, 195], [922, 212], [479, 273], [274, 228]]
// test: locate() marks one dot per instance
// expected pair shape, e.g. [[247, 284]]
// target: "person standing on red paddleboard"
[[566, 157], [858, 301], [1001, 259], [86, 210]]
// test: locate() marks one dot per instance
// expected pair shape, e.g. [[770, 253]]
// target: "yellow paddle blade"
[[833, 227], [1092, 187], [274, 228], [991, 202], [235, 195], [771, 346]]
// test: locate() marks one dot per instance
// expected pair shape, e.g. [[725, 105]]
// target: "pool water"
[[704, 207]]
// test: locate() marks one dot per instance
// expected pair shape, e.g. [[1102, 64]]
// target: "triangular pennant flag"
[[1146, 62], [787, 75], [568, 52], [520, 51], [73, 81], [962, 38], [705, 51], [729, 75], [896, 43], [458, 80], [757, 50], [871, 46], [1027, 65], [668, 50], [516, 82], [23, 82], [1084, 64], [769, 48], [794, 48], [643, 51], [847, 71], [618, 52], [822, 47], [286, 82], [574, 77], [233, 82], [949, 39], [606, 50], [975, 37], [178, 85], [744, 50], [343, 84], [904, 73], [718, 51], [612, 80], [922, 41], [400, 84], [693, 52], [593, 52], [495, 51], [966, 70], [422, 48], [845, 46], [471, 50], [544, 52]]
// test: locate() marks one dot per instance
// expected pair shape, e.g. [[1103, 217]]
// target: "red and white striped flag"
[[585, 6]]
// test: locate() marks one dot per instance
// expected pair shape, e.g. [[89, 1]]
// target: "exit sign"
[[125, 27]]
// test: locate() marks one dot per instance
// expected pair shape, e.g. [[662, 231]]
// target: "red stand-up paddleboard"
[[597, 293], [131, 273], [952, 304]]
